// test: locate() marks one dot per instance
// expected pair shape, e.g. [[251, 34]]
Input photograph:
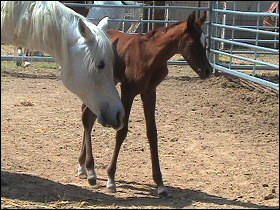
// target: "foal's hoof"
[[91, 177], [163, 192], [111, 186], [82, 172], [92, 181], [82, 176]]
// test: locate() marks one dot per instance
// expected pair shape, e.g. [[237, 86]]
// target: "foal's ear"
[[103, 24], [191, 20], [85, 30], [202, 19]]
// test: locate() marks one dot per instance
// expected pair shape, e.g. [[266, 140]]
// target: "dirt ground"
[[218, 145]]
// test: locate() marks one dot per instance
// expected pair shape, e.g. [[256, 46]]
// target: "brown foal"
[[140, 66]]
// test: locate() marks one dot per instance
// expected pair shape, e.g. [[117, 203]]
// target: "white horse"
[[81, 48], [97, 13]]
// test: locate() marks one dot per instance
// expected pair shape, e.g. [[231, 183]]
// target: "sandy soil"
[[218, 145]]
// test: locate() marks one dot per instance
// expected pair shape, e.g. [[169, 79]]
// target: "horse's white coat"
[[76, 44], [97, 13]]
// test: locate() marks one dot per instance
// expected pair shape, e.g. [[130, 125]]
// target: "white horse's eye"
[[101, 65]]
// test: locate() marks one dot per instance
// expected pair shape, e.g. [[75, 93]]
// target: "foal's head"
[[192, 46]]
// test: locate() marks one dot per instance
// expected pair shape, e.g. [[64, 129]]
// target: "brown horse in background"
[[140, 66]]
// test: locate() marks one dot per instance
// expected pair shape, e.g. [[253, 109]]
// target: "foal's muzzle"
[[205, 73]]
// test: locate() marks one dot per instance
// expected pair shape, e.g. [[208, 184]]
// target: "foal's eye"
[[101, 65], [191, 44]]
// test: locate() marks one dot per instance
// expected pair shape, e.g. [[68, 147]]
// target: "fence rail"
[[248, 56]]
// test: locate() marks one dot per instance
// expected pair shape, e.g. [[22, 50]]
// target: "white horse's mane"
[[52, 23]]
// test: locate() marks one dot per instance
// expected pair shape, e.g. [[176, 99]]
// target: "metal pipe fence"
[[243, 49], [255, 53]]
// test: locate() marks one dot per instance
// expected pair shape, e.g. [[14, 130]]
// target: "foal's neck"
[[167, 42]]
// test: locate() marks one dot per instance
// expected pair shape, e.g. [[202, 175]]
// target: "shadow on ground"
[[33, 188]]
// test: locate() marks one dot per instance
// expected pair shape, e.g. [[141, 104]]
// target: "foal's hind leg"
[[86, 160], [149, 102]]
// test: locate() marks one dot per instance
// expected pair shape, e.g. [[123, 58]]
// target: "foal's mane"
[[162, 29]]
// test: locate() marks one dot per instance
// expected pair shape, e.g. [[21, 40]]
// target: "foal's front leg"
[[149, 103], [127, 100], [86, 161]]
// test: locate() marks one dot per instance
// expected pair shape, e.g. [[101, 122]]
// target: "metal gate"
[[238, 41], [242, 43]]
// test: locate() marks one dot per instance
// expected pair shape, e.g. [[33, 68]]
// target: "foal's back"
[[134, 59]]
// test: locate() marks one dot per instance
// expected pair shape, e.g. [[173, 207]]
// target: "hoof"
[[91, 177], [111, 186], [112, 189], [163, 192], [82, 172], [27, 64], [82, 176], [92, 181]]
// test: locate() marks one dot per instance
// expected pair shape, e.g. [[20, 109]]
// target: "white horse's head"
[[90, 74]]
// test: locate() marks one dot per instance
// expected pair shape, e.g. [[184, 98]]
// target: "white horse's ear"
[[103, 24], [85, 31]]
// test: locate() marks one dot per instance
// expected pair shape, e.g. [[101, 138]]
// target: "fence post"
[[210, 19], [158, 14]]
